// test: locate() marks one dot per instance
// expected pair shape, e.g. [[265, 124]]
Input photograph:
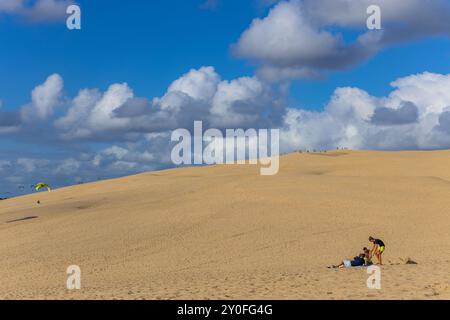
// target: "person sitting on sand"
[[378, 249], [367, 258], [356, 262]]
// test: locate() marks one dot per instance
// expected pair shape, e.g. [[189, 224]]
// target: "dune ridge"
[[226, 232]]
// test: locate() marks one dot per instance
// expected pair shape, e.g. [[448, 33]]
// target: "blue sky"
[[148, 45]]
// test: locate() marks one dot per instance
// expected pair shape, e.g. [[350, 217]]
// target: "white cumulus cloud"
[[304, 38]]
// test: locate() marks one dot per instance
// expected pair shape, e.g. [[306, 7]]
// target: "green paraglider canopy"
[[41, 185]]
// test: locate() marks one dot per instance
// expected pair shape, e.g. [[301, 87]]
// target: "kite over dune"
[[42, 185], [228, 232]]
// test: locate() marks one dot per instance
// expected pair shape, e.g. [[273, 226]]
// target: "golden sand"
[[226, 232]]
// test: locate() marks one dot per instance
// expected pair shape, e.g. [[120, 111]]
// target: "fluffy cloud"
[[10, 5], [407, 113], [36, 10], [68, 167], [29, 165], [44, 99], [417, 107], [413, 116], [295, 40], [240, 103], [72, 123], [198, 84], [197, 95], [428, 91], [4, 165]]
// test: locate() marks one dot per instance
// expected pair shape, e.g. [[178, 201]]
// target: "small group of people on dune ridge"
[[365, 258]]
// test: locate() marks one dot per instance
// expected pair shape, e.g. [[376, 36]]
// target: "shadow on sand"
[[22, 219]]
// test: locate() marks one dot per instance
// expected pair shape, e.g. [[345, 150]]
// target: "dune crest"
[[226, 232]]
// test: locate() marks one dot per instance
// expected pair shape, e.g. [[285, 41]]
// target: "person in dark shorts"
[[378, 249]]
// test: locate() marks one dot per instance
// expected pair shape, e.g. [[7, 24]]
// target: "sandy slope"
[[227, 232]]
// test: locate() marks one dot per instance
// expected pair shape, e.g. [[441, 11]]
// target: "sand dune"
[[227, 232]]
